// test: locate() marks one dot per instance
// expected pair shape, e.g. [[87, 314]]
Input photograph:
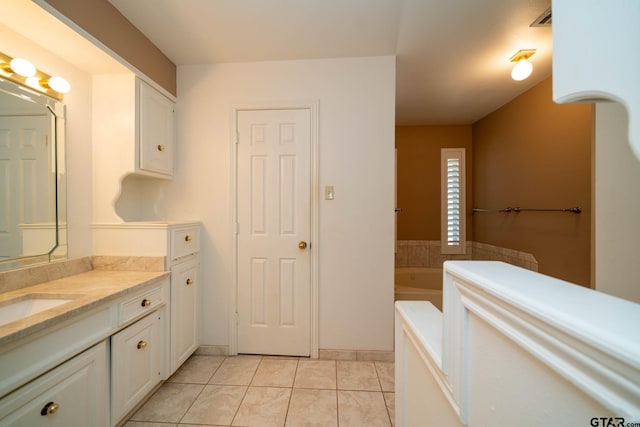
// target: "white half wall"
[[617, 205], [356, 99]]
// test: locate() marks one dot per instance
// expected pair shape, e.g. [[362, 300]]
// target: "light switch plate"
[[328, 192]]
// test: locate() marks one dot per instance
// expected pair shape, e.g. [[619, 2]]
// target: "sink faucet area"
[[30, 304]]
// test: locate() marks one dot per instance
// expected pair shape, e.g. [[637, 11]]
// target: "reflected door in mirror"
[[27, 189]]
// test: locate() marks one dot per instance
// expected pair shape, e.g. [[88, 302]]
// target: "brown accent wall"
[[418, 177], [104, 22], [533, 153]]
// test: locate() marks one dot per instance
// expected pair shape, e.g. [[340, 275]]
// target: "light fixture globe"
[[22, 67], [59, 84], [34, 83], [521, 70]]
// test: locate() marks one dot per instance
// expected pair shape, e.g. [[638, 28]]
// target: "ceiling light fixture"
[[23, 72], [523, 67]]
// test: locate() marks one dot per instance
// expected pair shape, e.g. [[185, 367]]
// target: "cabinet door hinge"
[[237, 137], [236, 228], [237, 319]]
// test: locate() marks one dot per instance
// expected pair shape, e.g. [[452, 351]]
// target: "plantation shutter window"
[[453, 224]]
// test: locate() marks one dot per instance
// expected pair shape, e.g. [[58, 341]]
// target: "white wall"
[[617, 205], [607, 71], [356, 155], [78, 135]]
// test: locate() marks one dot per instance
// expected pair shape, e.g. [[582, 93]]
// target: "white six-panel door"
[[274, 228]]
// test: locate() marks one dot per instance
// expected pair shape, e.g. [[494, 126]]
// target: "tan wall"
[[534, 153], [418, 175], [104, 22]]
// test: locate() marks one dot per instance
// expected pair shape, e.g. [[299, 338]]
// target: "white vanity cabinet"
[[139, 350], [91, 369], [179, 243], [136, 360], [184, 311], [184, 264], [73, 394]]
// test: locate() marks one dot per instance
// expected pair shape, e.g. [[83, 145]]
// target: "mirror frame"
[[57, 110]]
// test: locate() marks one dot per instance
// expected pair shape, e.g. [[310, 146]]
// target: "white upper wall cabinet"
[[133, 138], [155, 132]]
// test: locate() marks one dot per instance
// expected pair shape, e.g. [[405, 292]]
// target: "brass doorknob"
[[302, 245]]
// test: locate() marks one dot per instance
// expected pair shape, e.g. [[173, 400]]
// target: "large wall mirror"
[[32, 178]]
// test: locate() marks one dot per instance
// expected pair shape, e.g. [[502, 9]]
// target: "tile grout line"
[[286, 415], [386, 407], [216, 370], [337, 397], [201, 391], [246, 391]]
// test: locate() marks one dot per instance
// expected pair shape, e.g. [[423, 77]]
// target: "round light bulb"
[[34, 82], [521, 70], [23, 67], [59, 84]]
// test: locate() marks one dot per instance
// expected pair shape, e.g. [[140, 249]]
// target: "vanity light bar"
[[22, 72]]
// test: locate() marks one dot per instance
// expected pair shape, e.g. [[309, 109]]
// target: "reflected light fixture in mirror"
[[523, 67], [23, 72]]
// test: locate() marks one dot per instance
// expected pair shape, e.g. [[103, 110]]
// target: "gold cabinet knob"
[[189, 281], [142, 345], [49, 409], [145, 303], [188, 238], [302, 245], [160, 147]]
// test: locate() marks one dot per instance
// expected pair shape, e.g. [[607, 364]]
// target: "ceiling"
[[452, 55]]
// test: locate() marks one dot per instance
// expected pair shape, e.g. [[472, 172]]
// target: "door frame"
[[312, 106]]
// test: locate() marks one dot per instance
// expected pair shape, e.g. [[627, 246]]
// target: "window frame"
[[446, 245]]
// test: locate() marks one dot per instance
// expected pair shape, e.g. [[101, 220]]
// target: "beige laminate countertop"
[[88, 290]]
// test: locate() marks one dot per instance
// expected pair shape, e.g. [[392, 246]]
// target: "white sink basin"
[[28, 305]]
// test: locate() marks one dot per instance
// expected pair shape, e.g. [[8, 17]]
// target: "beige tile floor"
[[265, 391]]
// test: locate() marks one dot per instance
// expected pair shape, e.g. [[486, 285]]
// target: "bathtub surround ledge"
[[427, 253], [485, 252]]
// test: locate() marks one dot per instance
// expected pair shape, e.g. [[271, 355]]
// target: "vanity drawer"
[[184, 241], [140, 304], [35, 354]]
